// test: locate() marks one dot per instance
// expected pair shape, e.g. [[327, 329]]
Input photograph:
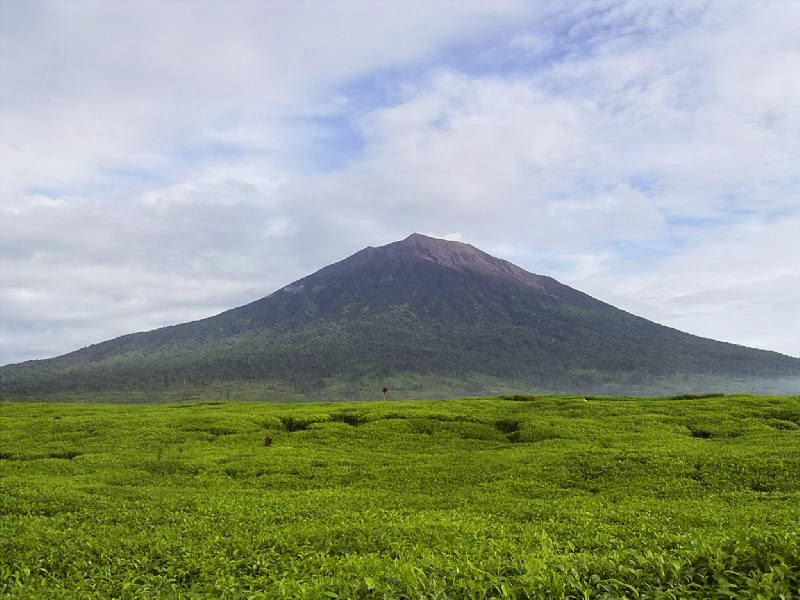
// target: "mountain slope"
[[421, 307]]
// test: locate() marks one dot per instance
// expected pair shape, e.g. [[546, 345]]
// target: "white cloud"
[[91, 85], [739, 284]]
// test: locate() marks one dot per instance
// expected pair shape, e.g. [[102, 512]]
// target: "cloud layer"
[[165, 161]]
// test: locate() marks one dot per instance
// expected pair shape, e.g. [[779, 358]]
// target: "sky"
[[162, 161]]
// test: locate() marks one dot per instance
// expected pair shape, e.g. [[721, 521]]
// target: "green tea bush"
[[482, 498]]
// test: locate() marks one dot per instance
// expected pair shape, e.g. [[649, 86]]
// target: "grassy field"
[[477, 498]]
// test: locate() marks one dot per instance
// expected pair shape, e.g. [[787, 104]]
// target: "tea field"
[[519, 497]]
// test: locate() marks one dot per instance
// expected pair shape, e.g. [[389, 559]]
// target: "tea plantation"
[[520, 497]]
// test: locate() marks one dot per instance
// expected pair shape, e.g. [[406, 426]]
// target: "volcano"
[[425, 315]]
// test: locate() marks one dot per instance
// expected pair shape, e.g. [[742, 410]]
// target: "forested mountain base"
[[517, 497]]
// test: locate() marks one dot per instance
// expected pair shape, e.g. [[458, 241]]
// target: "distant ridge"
[[432, 316]]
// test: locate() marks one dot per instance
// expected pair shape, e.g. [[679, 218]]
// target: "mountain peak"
[[421, 238], [461, 256], [434, 248]]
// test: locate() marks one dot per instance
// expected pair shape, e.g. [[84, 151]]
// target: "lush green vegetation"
[[515, 497]]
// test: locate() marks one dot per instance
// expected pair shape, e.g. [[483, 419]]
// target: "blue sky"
[[165, 161]]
